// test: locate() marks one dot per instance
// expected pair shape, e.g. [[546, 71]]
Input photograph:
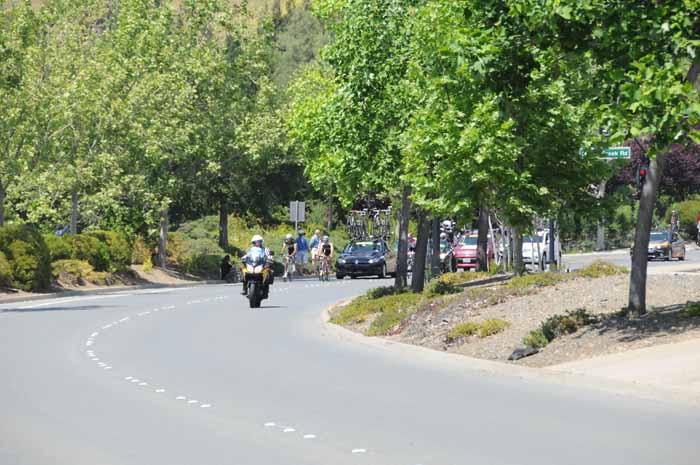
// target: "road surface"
[[622, 257], [194, 377]]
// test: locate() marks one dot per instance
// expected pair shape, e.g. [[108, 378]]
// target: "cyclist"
[[326, 254], [289, 252]]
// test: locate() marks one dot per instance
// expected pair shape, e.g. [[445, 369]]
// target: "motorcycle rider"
[[289, 250], [257, 248]]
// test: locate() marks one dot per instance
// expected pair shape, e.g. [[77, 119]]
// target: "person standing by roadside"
[[313, 246], [697, 226], [302, 251]]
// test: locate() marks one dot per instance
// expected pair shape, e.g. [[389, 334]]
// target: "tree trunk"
[[401, 278], [638, 276], [329, 223], [518, 264], [482, 241], [418, 276], [163, 239], [74, 211], [2, 204], [435, 265], [223, 225]]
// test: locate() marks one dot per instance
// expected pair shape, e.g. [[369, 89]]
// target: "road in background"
[[622, 257], [193, 376]]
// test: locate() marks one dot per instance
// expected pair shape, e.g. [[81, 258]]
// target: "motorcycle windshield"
[[256, 256]]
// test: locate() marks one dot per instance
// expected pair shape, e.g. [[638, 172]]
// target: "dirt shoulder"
[[603, 297]]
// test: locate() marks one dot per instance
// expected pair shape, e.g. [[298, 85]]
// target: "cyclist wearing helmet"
[[325, 254], [289, 251], [257, 247], [326, 248]]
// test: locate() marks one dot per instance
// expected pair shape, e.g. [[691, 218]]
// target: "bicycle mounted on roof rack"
[[369, 224]]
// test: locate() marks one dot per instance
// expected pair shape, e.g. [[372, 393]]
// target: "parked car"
[[465, 252], [366, 258], [661, 247], [534, 246]]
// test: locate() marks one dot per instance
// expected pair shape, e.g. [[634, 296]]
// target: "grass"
[[484, 329], [600, 268], [362, 307], [691, 310]]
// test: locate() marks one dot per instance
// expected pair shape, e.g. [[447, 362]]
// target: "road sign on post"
[[297, 213], [617, 153]]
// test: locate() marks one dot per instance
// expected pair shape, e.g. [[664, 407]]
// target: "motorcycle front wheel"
[[254, 295]]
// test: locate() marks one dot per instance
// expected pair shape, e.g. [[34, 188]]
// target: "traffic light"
[[642, 171]]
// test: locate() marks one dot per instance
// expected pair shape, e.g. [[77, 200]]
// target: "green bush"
[[692, 309], [379, 292], [492, 326], [600, 268], [484, 329], [559, 325], [687, 211], [468, 328], [59, 247], [536, 339], [91, 250], [438, 287], [5, 271], [71, 271], [118, 247], [140, 253], [27, 254], [204, 264]]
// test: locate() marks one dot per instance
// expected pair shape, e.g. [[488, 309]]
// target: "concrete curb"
[[658, 393]]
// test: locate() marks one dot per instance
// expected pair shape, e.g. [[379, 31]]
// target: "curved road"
[[192, 376]]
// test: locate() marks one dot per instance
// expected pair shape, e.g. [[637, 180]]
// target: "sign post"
[[297, 213]]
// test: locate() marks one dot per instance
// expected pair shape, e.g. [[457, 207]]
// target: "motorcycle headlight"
[[442, 256], [258, 269]]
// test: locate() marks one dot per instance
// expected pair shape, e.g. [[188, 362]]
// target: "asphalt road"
[[622, 257], [194, 377]]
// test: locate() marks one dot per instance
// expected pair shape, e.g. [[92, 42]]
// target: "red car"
[[465, 252]]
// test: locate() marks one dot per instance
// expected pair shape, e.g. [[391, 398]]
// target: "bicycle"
[[288, 267], [325, 268]]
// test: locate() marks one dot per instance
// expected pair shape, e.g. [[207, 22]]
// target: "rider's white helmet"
[[325, 239], [256, 238], [289, 237]]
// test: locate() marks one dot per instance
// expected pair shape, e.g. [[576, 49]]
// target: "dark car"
[[366, 258]]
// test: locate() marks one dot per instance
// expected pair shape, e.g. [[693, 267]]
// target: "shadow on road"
[[56, 309]]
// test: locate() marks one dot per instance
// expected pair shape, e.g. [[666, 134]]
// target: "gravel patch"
[[603, 296]]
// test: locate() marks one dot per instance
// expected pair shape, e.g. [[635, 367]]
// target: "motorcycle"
[[257, 277]]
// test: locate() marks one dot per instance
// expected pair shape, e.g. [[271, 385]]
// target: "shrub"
[[536, 339], [140, 252], [439, 287], [465, 329], [691, 309], [379, 292], [599, 269], [27, 254], [558, 325], [492, 326], [91, 250], [5, 271], [204, 264], [118, 248], [71, 271], [59, 247]]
